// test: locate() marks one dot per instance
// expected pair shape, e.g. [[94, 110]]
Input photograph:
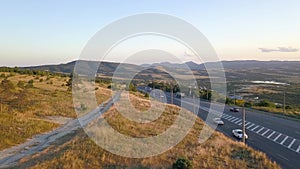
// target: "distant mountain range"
[[245, 69], [111, 66]]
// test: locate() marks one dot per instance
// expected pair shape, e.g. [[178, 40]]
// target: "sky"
[[50, 32]]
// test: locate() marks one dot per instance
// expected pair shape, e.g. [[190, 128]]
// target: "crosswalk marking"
[[255, 127], [234, 120], [250, 126], [271, 134], [230, 118], [247, 123], [291, 143], [260, 130], [277, 137], [238, 121], [227, 117], [224, 115], [284, 140], [298, 149], [265, 132]]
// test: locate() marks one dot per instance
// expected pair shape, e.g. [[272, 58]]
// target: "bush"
[[288, 107], [248, 104], [266, 103], [182, 163], [21, 84], [146, 95]]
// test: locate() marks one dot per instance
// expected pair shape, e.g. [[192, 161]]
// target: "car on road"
[[239, 133], [218, 121], [234, 109]]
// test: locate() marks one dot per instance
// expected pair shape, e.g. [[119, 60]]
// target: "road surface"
[[278, 137]]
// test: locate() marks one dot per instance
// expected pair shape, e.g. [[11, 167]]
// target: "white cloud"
[[279, 49]]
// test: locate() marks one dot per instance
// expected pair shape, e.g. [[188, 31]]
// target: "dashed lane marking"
[[298, 149], [250, 126], [255, 128], [238, 121], [271, 134], [265, 132], [284, 140], [260, 129], [277, 137], [292, 143]]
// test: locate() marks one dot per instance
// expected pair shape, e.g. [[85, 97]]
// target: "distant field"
[[78, 151], [26, 106]]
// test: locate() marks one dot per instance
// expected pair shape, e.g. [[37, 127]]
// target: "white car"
[[239, 133], [218, 121]]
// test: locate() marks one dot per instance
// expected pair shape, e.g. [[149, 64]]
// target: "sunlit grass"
[[217, 152]]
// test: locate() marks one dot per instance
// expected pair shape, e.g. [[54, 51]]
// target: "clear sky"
[[55, 31]]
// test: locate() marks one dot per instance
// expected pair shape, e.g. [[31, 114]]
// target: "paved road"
[[278, 137]]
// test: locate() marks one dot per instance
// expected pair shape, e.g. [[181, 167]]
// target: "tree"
[[30, 84], [266, 103], [7, 84], [182, 163], [132, 87]]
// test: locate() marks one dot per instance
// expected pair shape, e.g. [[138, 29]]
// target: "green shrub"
[[182, 163]]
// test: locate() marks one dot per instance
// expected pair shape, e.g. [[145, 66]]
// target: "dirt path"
[[10, 157]]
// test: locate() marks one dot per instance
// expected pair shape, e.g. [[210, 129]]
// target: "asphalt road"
[[278, 137]]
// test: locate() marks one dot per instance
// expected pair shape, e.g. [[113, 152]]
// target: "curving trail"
[[11, 156]]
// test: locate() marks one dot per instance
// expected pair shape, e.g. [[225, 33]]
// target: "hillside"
[[79, 151], [34, 104]]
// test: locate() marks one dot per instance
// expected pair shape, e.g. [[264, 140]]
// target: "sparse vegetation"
[[25, 101], [217, 152]]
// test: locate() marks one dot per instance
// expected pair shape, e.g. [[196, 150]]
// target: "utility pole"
[[244, 129], [207, 94], [234, 96], [194, 104], [172, 95], [283, 101]]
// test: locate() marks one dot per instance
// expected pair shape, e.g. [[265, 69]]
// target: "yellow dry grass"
[[217, 152]]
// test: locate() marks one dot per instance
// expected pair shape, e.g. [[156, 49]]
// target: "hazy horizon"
[[52, 32], [58, 63]]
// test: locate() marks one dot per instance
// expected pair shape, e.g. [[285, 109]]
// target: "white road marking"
[[277, 137], [283, 157], [224, 115], [260, 129], [265, 132], [250, 126], [235, 120], [238, 121], [284, 140], [247, 123], [227, 117], [230, 118], [271, 134], [255, 128], [291, 143], [298, 149]]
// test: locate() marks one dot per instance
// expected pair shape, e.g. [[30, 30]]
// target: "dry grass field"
[[24, 108], [79, 151]]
